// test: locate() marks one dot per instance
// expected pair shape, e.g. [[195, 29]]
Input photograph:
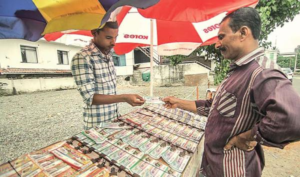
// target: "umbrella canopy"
[[27, 19], [177, 30], [170, 37]]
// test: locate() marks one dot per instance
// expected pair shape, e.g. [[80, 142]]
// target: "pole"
[[295, 62], [151, 58], [197, 92]]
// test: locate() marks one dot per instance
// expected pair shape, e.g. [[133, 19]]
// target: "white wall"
[[10, 54], [36, 84], [166, 74]]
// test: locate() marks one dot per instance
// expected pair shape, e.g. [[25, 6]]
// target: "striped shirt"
[[255, 96], [94, 73]]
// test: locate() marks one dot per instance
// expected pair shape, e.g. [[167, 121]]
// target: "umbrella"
[[27, 19], [175, 27], [179, 29]]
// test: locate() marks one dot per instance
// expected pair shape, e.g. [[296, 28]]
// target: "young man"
[[255, 105], [95, 76]]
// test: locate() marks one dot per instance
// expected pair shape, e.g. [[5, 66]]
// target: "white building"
[[34, 66]]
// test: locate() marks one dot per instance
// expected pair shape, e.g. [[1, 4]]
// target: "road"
[[296, 83]]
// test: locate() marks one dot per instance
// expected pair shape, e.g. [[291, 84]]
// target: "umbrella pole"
[[151, 58]]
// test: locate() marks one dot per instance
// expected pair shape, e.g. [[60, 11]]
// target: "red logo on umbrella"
[[135, 36], [211, 28]]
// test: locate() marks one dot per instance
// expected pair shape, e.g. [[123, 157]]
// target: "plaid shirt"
[[94, 73]]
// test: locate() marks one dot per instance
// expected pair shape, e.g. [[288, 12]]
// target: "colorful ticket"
[[197, 135], [157, 152], [93, 171], [71, 156], [139, 167], [149, 146], [180, 163], [170, 155], [191, 146], [123, 134], [94, 135]]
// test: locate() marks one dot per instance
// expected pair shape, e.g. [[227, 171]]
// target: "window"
[[62, 57], [119, 60], [29, 54]]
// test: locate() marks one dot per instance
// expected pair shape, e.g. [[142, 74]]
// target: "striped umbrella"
[[31, 19]]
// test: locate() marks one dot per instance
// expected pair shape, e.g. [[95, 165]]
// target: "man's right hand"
[[171, 102], [134, 99]]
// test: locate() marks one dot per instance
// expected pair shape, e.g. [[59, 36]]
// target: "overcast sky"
[[288, 37]]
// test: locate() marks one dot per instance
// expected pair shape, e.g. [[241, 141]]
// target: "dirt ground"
[[31, 121]]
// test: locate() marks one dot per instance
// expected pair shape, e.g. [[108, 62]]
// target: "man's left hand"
[[243, 141]]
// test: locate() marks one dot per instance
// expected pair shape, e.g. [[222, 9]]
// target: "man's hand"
[[243, 141], [134, 99], [171, 102]]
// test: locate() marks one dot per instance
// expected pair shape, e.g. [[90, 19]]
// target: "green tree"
[[274, 13]]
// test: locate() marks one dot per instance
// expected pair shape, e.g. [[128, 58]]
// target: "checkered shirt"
[[94, 73]]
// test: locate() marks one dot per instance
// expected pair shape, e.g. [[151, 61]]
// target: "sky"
[[288, 36]]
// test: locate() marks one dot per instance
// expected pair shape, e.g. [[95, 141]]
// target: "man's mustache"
[[222, 49]]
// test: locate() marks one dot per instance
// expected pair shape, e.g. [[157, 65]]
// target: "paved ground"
[[31, 121]]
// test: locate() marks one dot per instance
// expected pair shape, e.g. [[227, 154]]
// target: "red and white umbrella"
[[170, 37], [175, 27]]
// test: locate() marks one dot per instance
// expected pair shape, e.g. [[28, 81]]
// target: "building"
[[36, 66]]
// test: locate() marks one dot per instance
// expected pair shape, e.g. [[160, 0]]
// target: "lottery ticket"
[[146, 112], [116, 125], [170, 155], [94, 171], [191, 146], [110, 131], [80, 136], [138, 140], [159, 165], [152, 171], [178, 128], [71, 156], [136, 121], [163, 134], [99, 147], [119, 155], [132, 159], [180, 163], [148, 146], [120, 144], [180, 142], [139, 167], [197, 135], [58, 169], [153, 100], [94, 135], [186, 131], [156, 119], [141, 141], [157, 152], [164, 123], [172, 125], [155, 131], [171, 173], [110, 150], [89, 142], [171, 138], [130, 138], [123, 133], [148, 127]]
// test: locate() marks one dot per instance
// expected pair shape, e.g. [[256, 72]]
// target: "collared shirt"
[[94, 73], [254, 96]]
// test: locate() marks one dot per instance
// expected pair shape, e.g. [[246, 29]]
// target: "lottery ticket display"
[[151, 141]]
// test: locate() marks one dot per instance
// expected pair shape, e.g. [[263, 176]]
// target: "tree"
[[274, 13]]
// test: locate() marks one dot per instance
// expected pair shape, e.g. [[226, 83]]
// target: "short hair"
[[111, 24], [245, 16]]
